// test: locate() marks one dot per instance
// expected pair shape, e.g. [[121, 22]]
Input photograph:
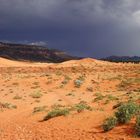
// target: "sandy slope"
[[56, 84], [9, 63]]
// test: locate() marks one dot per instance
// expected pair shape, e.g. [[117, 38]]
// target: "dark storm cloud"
[[95, 28]]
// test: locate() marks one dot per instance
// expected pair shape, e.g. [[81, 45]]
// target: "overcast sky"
[[95, 28]]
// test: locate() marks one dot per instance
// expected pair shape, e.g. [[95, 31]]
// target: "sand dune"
[[28, 91]]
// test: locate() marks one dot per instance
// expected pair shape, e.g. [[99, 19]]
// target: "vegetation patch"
[[8, 106], [56, 112], [36, 94], [123, 115], [126, 112], [39, 109], [17, 97], [79, 81], [109, 123], [90, 89], [81, 107], [99, 97]]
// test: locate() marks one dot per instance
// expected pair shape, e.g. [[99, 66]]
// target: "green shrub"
[[137, 126], [126, 112], [82, 106], [109, 124], [78, 83], [56, 112]]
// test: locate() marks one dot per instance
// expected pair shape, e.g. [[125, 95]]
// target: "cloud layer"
[[95, 28]]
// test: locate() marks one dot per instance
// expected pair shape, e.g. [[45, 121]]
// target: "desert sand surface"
[[28, 91]]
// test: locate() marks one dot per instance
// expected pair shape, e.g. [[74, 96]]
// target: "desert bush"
[[82, 77], [15, 84], [17, 97], [126, 112], [36, 83], [137, 126], [70, 94], [99, 97], [58, 73], [36, 95], [57, 106], [8, 105], [67, 78], [56, 112], [112, 98], [81, 107], [109, 124], [78, 83], [39, 109]]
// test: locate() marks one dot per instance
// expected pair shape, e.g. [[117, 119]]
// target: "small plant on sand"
[[109, 123], [82, 106], [99, 97], [70, 94], [82, 77], [90, 89], [17, 97], [39, 109], [78, 83], [15, 84], [67, 77], [36, 94], [126, 112], [124, 84], [57, 106], [112, 98], [58, 73], [66, 80], [8, 106], [36, 83], [56, 112], [37, 101]]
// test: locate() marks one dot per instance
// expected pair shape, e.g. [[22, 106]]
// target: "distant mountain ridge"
[[134, 59], [35, 53]]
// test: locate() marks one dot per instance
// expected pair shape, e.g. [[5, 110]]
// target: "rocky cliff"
[[32, 53]]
